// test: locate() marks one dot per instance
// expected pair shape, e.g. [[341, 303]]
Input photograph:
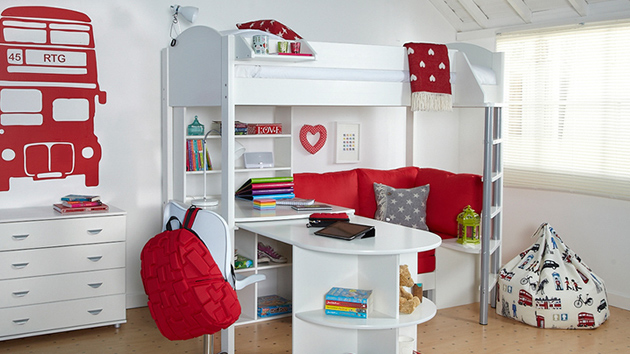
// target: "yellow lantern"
[[468, 227]]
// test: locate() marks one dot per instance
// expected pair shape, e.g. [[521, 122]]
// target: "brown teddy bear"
[[407, 303]]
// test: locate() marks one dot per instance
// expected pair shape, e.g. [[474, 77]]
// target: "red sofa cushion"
[[337, 188], [404, 177], [450, 193]]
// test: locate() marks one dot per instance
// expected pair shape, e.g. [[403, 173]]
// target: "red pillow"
[[271, 26], [450, 194], [337, 188]]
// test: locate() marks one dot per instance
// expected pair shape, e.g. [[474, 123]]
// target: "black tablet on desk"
[[347, 231]]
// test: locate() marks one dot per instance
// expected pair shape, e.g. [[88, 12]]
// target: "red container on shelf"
[[264, 128]]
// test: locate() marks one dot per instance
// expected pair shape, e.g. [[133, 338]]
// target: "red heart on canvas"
[[306, 129]]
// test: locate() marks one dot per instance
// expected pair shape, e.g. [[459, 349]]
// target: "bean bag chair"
[[549, 286]]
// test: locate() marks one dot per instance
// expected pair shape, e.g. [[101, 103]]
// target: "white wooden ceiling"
[[469, 16]]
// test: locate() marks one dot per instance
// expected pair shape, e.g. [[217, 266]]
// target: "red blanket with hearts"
[[429, 76]]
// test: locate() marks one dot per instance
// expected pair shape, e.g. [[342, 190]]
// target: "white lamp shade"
[[189, 13]]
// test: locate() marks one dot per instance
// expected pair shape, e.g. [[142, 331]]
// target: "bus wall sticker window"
[[48, 95]]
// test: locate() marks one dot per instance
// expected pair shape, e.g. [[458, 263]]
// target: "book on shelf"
[[240, 128], [267, 191], [348, 302], [60, 208], [346, 313], [80, 198], [349, 295], [194, 153], [273, 305], [345, 304]]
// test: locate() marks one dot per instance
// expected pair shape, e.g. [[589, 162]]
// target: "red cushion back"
[[403, 177], [449, 194], [337, 188]]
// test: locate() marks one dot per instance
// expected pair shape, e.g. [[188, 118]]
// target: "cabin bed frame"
[[202, 69]]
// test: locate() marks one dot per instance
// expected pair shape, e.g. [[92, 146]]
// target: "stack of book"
[[76, 203], [348, 302], [264, 204], [240, 128], [194, 156], [266, 188]]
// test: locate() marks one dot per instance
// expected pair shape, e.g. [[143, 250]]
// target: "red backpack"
[[188, 294]]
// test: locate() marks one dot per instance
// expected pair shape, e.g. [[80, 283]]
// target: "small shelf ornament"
[[468, 227], [195, 128]]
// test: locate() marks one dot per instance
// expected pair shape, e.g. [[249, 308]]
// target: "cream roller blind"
[[567, 120]]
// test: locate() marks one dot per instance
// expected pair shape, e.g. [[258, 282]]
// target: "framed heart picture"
[[313, 138]]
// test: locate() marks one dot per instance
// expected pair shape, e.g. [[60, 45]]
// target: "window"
[[567, 119]]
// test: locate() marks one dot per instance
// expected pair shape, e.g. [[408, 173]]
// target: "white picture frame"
[[348, 140]]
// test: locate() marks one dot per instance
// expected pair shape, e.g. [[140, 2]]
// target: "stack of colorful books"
[[264, 204], [266, 188], [348, 302], [240, 128], [76, 203], [194, 156]]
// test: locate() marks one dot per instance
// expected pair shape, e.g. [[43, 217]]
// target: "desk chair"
[[214, 232]]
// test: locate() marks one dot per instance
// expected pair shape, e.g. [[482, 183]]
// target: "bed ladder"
[[492, 213]]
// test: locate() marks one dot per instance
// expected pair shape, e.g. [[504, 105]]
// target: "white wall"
[[129, 36]]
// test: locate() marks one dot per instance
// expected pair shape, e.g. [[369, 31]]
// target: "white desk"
[[319, 263]]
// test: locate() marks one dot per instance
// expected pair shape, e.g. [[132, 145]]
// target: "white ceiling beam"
[[522, 10], [450, 15], [475, 12], [581, 6]]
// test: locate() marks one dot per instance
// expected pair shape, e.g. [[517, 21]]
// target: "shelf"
[[423, 313], [452, 244]]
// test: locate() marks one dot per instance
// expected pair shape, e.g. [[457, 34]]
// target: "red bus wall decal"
[[48, 95]]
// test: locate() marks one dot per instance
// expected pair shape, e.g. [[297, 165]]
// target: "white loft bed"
[[209, 68]]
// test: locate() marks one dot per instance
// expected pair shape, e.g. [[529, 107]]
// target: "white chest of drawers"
[[60, 272]]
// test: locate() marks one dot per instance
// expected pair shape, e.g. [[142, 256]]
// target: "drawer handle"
[[21, 321], [20, 237], [95, 285], [95, 258], [19, 265], [94, 231], [21, 293], [95, 312]]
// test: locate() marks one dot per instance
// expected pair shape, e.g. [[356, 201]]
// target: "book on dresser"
[[348, 302]]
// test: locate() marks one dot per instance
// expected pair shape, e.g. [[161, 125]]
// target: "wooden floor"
[[453, 330]]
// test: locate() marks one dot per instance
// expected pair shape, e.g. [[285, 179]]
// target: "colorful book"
[[249, 184], [80, 198], [273, 305], [346, 314], [268, 196], [271, 185], [346, 309], [349, 295], [79, 204], [60, 208], [267, 191], [345, 304]]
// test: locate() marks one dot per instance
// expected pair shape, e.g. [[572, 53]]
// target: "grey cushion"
[[407, 207]]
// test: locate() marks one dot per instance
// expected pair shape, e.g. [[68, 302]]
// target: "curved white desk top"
[[389, 239]]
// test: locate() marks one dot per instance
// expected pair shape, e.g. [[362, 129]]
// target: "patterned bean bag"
[[548, 286]]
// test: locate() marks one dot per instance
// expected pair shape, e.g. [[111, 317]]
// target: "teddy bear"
[[407, 303]]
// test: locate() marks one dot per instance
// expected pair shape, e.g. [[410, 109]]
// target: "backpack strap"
[[189, 218], [170, 220]]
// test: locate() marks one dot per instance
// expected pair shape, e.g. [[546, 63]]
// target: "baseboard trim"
[[618, 300], [136, 300]]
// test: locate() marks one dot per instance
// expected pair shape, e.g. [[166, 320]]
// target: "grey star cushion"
[[407, 207]]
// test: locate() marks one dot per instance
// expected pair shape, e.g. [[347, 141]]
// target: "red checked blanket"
[[429, 76]]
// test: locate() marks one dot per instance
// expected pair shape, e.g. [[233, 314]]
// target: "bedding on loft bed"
[[348, 74]]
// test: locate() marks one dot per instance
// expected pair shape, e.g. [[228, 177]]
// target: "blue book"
[[349, 295], [347, 313]]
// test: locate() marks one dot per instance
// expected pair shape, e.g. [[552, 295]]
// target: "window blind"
[[567, 115]]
